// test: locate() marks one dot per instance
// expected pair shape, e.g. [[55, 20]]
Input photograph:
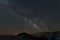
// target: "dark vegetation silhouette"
[[53, 36], [26, 35]]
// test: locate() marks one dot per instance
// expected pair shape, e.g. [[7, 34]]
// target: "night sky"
[[31, 16]]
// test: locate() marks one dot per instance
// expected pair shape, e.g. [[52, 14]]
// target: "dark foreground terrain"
[[25, 36]]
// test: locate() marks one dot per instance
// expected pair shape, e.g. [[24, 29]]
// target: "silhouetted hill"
[[27, 36], [23, 34]]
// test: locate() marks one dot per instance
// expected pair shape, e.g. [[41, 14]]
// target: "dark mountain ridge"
[[26, 36]]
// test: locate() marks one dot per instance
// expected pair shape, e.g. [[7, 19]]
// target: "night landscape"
[[26, 36], [29, 19]]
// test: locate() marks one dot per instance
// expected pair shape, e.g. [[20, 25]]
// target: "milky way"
[[29, 16]]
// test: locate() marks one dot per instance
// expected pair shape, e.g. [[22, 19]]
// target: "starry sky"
[[31, 16]]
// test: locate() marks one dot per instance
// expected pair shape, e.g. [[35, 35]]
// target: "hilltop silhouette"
[[45, 36], [27, 36], [23, 33]]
